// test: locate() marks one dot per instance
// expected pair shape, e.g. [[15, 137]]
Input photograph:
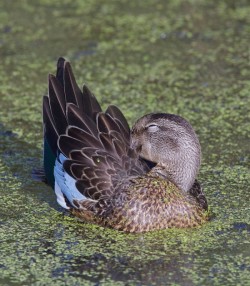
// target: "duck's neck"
[[183, 176]]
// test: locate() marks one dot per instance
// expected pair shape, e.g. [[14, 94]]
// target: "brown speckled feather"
[[148, 203]]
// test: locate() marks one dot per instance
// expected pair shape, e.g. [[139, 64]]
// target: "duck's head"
[[170, 142]]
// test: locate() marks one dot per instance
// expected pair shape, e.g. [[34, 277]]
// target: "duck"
[[133, 180]]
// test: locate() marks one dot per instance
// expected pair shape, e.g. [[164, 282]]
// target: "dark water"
[[185, 57]]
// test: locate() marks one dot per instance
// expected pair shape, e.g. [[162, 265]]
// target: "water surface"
[[185, 57]]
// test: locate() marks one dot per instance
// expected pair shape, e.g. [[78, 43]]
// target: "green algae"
[[186, 57]]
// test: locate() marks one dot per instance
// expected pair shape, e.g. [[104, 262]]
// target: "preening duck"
[[135, 180]]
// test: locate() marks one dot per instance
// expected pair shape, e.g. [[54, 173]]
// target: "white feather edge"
[[65, 185], [59, 197]]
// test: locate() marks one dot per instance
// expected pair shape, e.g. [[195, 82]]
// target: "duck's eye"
[[152, 127]]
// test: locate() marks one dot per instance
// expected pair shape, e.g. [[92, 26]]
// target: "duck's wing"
[[65, 104], [197, 192], [89, 148]]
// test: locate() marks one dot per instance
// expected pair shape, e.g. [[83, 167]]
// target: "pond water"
[[186, 57]]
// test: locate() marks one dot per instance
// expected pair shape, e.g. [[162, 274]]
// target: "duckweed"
[[185, 57]]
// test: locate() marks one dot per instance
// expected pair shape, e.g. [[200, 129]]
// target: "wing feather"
[[92, 147]]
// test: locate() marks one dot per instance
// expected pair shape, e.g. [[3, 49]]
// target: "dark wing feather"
[[60, 70], [49, 128], [84, 136], [81, 120], [106, 124], [95, 143], [57, 105], [99, 163], [107, 142], [63, 106], [119, 118], [55, 88], [72, 91], [119, 147], [91, 105], [66, 144]]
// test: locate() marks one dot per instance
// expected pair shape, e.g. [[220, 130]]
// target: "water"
[[184, 57]]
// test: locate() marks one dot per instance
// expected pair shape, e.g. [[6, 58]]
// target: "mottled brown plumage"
[[147, 203], [104, 174]]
